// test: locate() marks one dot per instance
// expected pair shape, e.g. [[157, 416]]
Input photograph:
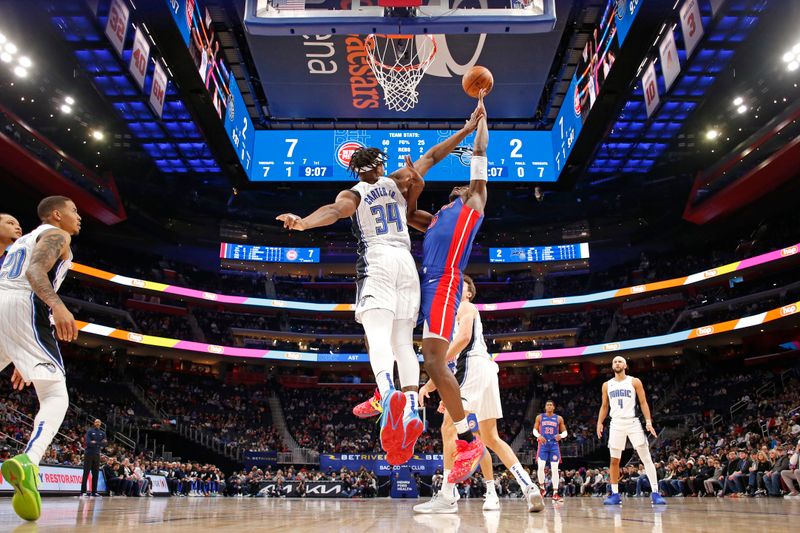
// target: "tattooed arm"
[[51, 245]]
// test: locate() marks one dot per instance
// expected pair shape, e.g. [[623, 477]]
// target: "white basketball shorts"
[[480, 387], [27, 338], [390, 281], [623, 429]]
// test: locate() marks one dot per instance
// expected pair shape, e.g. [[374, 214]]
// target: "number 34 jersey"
[[381, 216], [386, 276]]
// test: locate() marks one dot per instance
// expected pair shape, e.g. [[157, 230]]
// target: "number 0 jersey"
[[18, 259], [622, 398]]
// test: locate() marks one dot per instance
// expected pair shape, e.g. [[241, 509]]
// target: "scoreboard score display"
[[539, 254], [268, 254], [521, 156]]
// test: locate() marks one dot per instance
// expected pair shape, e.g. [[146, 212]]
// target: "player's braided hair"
[[365, 159]]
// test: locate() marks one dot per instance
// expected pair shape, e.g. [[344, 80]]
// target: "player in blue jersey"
[[549, 429], [448, 241], [387, 282]]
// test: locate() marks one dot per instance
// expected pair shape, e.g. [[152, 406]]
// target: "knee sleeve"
[[53, 405], [540, 472], [555, 474], [378, 329], [404, 354]]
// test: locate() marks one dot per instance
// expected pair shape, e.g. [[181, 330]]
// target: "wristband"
[[536, 433], [648, 422], [478, 168], [563, 435]]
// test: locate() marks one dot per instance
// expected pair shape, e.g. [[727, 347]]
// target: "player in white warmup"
[[476, 374], [31, 316], [10, 231], [387, 294], [620, 393]]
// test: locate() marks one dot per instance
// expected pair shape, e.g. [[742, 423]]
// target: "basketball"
[[477, 78]]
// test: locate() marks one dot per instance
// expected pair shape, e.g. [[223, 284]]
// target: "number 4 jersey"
[[386, 275]]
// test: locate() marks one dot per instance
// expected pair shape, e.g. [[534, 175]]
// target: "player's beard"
[[618, 372]]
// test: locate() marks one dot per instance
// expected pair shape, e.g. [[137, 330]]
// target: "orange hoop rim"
[[369, 44]]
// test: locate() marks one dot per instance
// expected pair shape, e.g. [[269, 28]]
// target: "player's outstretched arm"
[[51, 245], [417, 219], [476, 197], [345, 205], [444, 148], [643, 405], [601, 417], [465, 318]]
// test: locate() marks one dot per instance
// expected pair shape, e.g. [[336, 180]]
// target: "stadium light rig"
[[792, 58]]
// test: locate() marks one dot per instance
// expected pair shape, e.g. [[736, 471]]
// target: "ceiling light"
[[741, 109], [69, 100], [2, 38], [20, 72], [788, 56], [5, 57], [796, 48], [738, 100], [792, 66], [11, 48], [66, 109], [712, 134], [98, 135], [25, 62]]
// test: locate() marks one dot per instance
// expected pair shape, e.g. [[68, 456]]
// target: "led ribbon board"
[[577, 351], [744, 264]]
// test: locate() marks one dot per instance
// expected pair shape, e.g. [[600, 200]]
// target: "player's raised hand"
[[17, 382], [291, 222], [415, 179], [475, 117], [649, 427], [481, 109]]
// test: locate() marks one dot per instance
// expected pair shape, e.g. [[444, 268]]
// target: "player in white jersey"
[[31, 316], [387, 297], [10, 231], [619, 395], [476, 374]]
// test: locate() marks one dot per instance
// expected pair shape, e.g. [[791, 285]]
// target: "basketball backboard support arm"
[[299, 17]]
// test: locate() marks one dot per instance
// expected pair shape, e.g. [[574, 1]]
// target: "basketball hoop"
[[399, 62]]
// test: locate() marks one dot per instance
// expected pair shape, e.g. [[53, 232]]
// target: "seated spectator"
[[772, 478], [791, 475]]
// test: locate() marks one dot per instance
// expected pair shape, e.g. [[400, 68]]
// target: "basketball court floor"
[[579, 515]]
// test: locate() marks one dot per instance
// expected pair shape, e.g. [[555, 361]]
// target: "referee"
[[95, 441]]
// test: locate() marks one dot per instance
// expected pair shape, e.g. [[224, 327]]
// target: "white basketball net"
[[399, 63]]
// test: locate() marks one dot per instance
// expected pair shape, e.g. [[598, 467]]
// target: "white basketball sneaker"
[[534, 498], [491, 502], [439, 504]]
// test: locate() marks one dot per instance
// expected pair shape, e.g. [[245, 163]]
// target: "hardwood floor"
[[387, 516]]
